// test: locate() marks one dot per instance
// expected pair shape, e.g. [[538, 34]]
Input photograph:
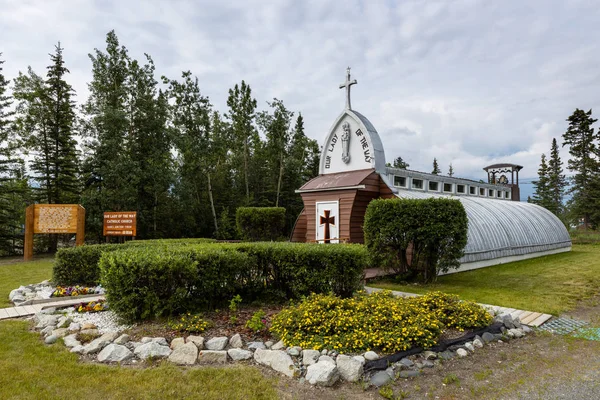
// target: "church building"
[[353, 172]]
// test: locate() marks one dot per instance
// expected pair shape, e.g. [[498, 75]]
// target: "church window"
[[434, 186], [499, 194], [417, 183], [460, 188], [491, 192], [472, 190], [507, 195], [400, 181], [448, 187], [481, 191]]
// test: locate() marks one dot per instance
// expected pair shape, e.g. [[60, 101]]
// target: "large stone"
[[61, 332], [294, 351], [518, 333], [216, 343], [239, 354], [212, 357], [74, 327], [256, 345], [360, 359], [197, 340], [487, 337], [95, 346], [160, 340], [184, 354], [78, 349], [146, 339], [88, 325], [51, 339], [326, 358], [469, 346], [407, 363], [508, 322], [478, 342], [114, 353], [71, 341], [152, 350], [371, 356], [409, 374], [47, 330], [381, 378], [429, 355], [323, 373], [446, 355], [268, 344], [279, 360], [124, 338], [63, 322], [310, 357], [236, 341], [13, 293], [462, 353], [178, 342], [110, 336], [44, 320], [349, 368], [278, 346]]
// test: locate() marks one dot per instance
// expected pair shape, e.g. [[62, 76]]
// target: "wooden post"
[[28, 245], [80, 234]]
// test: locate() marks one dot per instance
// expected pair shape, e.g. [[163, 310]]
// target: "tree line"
[[583, 187], [143, 143]]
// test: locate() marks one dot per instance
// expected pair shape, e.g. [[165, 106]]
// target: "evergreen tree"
[[557, 181], [242, 108], [108, 165], [581, 138], [541, 192], [398, 163], [450, 170], [436, 168], [13, 183]]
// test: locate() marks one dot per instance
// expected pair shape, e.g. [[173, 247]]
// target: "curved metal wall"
[[500, 228]]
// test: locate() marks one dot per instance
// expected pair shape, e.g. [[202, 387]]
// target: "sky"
[[469, 82]]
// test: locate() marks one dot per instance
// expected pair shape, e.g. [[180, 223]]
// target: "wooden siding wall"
[[353, 205], [299, 231]]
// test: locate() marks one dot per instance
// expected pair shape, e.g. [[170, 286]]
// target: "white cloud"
[[470, 82]]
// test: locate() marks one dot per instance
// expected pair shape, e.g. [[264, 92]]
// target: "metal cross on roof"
[[347, 85]]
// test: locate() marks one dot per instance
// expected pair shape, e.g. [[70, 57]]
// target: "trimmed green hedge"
[[416, 237], [79, 265], [256, 224], [147, 282]]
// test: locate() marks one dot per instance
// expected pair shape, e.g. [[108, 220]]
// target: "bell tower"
[[507, 175]]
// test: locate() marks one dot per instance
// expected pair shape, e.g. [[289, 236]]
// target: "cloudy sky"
[[469, 82]]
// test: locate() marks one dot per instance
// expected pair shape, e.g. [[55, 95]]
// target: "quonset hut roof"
[[505, 228]]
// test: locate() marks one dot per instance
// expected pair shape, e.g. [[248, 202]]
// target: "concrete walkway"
[[24, 311], [528, 318]]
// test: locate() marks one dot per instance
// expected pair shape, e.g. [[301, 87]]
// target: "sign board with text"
[[121, 223], [53, 218]]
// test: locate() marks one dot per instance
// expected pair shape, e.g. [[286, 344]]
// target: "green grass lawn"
[[31, 370], [551, 284], [15, 274]]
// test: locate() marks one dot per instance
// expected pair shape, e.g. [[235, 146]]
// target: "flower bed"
[[92, 306], [66, 291], [375, 321]]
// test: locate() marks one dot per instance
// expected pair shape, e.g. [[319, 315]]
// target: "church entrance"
[[327, 222]]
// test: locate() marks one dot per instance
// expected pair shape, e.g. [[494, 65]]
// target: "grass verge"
[[31, 370], [15, 274], [550, 284]]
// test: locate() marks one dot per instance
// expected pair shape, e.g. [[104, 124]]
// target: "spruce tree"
[[557, 181], [450, 170], [436, 168], [400, 163], [242, 109], [582, 141], [13, 183], [541, 193]]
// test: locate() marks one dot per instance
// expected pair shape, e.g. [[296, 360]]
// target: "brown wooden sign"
[[123, 223], [53, 218]]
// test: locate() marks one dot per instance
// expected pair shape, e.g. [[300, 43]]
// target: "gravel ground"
[[106, 321]]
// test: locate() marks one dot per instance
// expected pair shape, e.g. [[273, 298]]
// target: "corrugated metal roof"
[[504, 228], [337, 180]]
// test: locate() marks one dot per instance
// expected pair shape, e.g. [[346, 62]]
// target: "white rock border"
[[324, 368]]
